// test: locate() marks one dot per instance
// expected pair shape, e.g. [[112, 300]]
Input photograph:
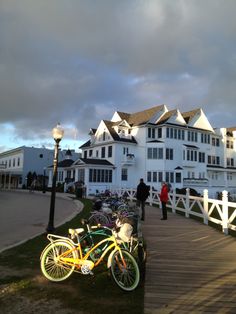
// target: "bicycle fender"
[[110, 258]]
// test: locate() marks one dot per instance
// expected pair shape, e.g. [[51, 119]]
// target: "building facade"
[[18, 163], [158, 145]]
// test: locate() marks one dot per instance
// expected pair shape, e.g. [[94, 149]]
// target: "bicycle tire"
[[97, 219], [127, 278], [51, 267]]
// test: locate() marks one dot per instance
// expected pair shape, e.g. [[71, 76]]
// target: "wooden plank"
[[191, 267]]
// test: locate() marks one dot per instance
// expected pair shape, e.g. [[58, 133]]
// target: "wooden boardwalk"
[[191, 267]]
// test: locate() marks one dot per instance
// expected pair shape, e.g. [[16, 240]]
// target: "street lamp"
[[57, 133]]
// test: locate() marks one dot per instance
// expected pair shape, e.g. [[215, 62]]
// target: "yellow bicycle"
[[65, 255]]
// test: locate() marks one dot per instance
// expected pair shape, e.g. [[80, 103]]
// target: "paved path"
[[24, 215], [191, 267]]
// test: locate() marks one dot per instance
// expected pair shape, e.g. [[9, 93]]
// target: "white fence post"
[[150, 198], [173, 201], [187, 203], [205, 207], [225, 223]]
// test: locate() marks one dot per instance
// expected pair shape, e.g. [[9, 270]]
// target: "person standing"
[[164, 199], [141, 195]]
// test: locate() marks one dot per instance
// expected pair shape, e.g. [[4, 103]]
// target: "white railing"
[[221, 212]]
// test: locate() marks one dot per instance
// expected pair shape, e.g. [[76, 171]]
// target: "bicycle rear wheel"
[[125, 270], [51, 266]]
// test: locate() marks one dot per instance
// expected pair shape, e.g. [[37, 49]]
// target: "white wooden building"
[[158, 145]]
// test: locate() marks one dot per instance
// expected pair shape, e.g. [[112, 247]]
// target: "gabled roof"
[[166, 116], [64, 163], [123, 115], [110, 126], [87, 144], [92, 131], [141, 117], [188, 115], [94, 161]]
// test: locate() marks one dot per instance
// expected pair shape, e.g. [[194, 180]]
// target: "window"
[[100, 175], [103, 154], [109, 151], [201, 157], [85, 154], [192, 136], [191, 155], [14, 162], [169, 177], [229, 144], [213, 160], [178, 177], [97, 153], [124, 174], [154, 176], [215, 142], [154, 153], [149, 176], [151, 133], [169, 153], [205, 138], [159, 133], [230, 162], [90, 153], [125, 150], [104, 136], [81, 174], [18, 161]]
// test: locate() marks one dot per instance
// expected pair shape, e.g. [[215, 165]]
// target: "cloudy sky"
[[78, 61]]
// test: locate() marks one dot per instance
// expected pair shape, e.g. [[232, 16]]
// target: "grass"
[[22, 280]]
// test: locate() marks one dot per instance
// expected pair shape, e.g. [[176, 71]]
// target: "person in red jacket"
[[164, 199]]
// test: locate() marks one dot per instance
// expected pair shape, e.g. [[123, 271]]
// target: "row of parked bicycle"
[[110, 233]]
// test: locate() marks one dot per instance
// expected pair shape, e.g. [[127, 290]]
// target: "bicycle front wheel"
[[51, 265], [97, 219], [125, 270]]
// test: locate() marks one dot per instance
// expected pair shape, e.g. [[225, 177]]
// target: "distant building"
[[65, 171], [18, 163], [158, 145]]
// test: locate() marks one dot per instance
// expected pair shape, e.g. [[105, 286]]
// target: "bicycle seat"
[[76, 231]]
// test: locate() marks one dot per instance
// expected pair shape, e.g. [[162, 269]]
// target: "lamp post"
[[57, 133], [44, 179]]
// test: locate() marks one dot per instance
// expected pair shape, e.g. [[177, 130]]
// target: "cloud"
[[77, 62]]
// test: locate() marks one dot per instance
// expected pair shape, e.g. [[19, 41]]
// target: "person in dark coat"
[[141, 195], [164, 199]]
